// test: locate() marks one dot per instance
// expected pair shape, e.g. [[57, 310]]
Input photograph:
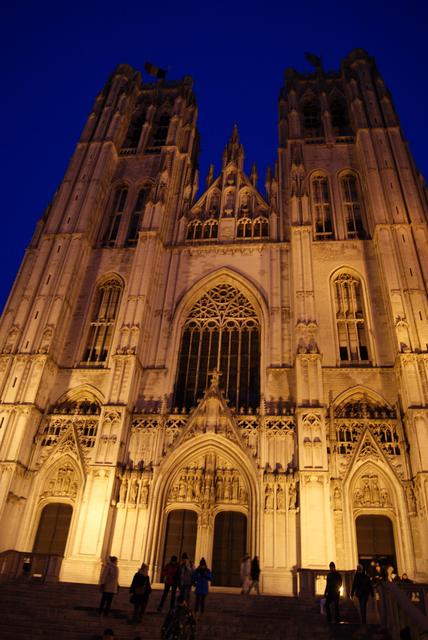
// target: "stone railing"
[[312, 582], [28, 565], [403, 610]]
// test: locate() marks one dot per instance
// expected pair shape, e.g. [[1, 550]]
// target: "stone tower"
[[223, 371]]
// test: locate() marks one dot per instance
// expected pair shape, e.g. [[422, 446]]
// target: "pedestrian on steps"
[[201, 577], [109, 585], [140, 590], [332, 592], [169, 577], [255, 575], [186, 577], [362, 589], [245, 573]]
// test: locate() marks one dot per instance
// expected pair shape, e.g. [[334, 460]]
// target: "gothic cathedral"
[[229, 371]]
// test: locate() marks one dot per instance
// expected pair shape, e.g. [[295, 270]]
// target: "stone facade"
[[321, 284]]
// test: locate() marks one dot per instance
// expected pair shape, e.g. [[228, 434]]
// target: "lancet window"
[[198, 230], [222, 332], [351, 326], [134, 223], [115, 216], [102, 324], [321, 206], [254, 229], [159, 133], [352, 206], [134, 132], [339, 117], [312, 124]]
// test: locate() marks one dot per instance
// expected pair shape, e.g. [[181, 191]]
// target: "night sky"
[[57, 56]]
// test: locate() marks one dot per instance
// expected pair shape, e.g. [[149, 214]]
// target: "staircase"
[[65, 611]]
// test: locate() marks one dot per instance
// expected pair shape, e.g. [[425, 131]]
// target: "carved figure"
[[268, 497], [292, 496]]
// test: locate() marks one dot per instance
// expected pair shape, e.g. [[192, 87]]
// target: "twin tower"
[[225, 372]]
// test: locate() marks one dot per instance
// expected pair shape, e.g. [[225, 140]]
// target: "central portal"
[[180, 534], [375, 540], [230, 540]]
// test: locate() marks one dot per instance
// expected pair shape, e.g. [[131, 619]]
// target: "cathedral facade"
[[228, 371]]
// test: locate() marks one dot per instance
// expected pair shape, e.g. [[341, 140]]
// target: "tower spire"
[[234, 151]]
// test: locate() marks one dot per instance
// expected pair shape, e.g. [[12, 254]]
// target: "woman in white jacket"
[[109, 585]]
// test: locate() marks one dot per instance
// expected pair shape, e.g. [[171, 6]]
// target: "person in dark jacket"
[[362, 588], [140, 590], [255, 575], [170, 578], [179, 623], [332, 592], [201, 578]]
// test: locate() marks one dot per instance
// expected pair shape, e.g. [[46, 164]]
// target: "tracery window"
[[351, 327], [134, 223], [159, 133], [115, 217], [134, 131], [321, 205], [210, 230], [339, 117], [312, 124], [194, 230], [221, 332], [102, 324], [261, 227], [244, 228], [352, 206]]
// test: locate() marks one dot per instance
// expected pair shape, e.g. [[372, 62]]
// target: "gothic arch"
[[335, 273], [359, 391], [372, 488], [195, 447], [60, 480], [82, 392], [196, 291]]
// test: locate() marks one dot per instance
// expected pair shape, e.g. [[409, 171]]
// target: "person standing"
[[170, 578], [109, 585], [255, 575], [362, 588], [332, 592], [201, 577], [140, 590], [245, 573], [186, 577]]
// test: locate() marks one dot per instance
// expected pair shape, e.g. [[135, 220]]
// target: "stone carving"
[[63, 481], [134, 488], [292, 496], [370, 492], [411, 500], [337, 499], [209, 481], [268, 497]]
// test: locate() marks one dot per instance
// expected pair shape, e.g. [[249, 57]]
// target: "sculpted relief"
[[370, 491], [208, 481]]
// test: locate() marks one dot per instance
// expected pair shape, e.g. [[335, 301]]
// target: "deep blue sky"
[[56, 57]]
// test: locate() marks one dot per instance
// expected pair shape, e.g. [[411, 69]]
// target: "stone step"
[[62, 611]]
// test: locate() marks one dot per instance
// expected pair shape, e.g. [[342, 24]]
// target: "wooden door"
[[52, 532], [230, 540], [180, 534]]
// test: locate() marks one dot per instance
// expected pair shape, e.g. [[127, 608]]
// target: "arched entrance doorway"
[[375, 540], [230, 540], [52, 532], [180, 534]]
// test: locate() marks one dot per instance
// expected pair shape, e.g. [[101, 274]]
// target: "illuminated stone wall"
[[331, 265]]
